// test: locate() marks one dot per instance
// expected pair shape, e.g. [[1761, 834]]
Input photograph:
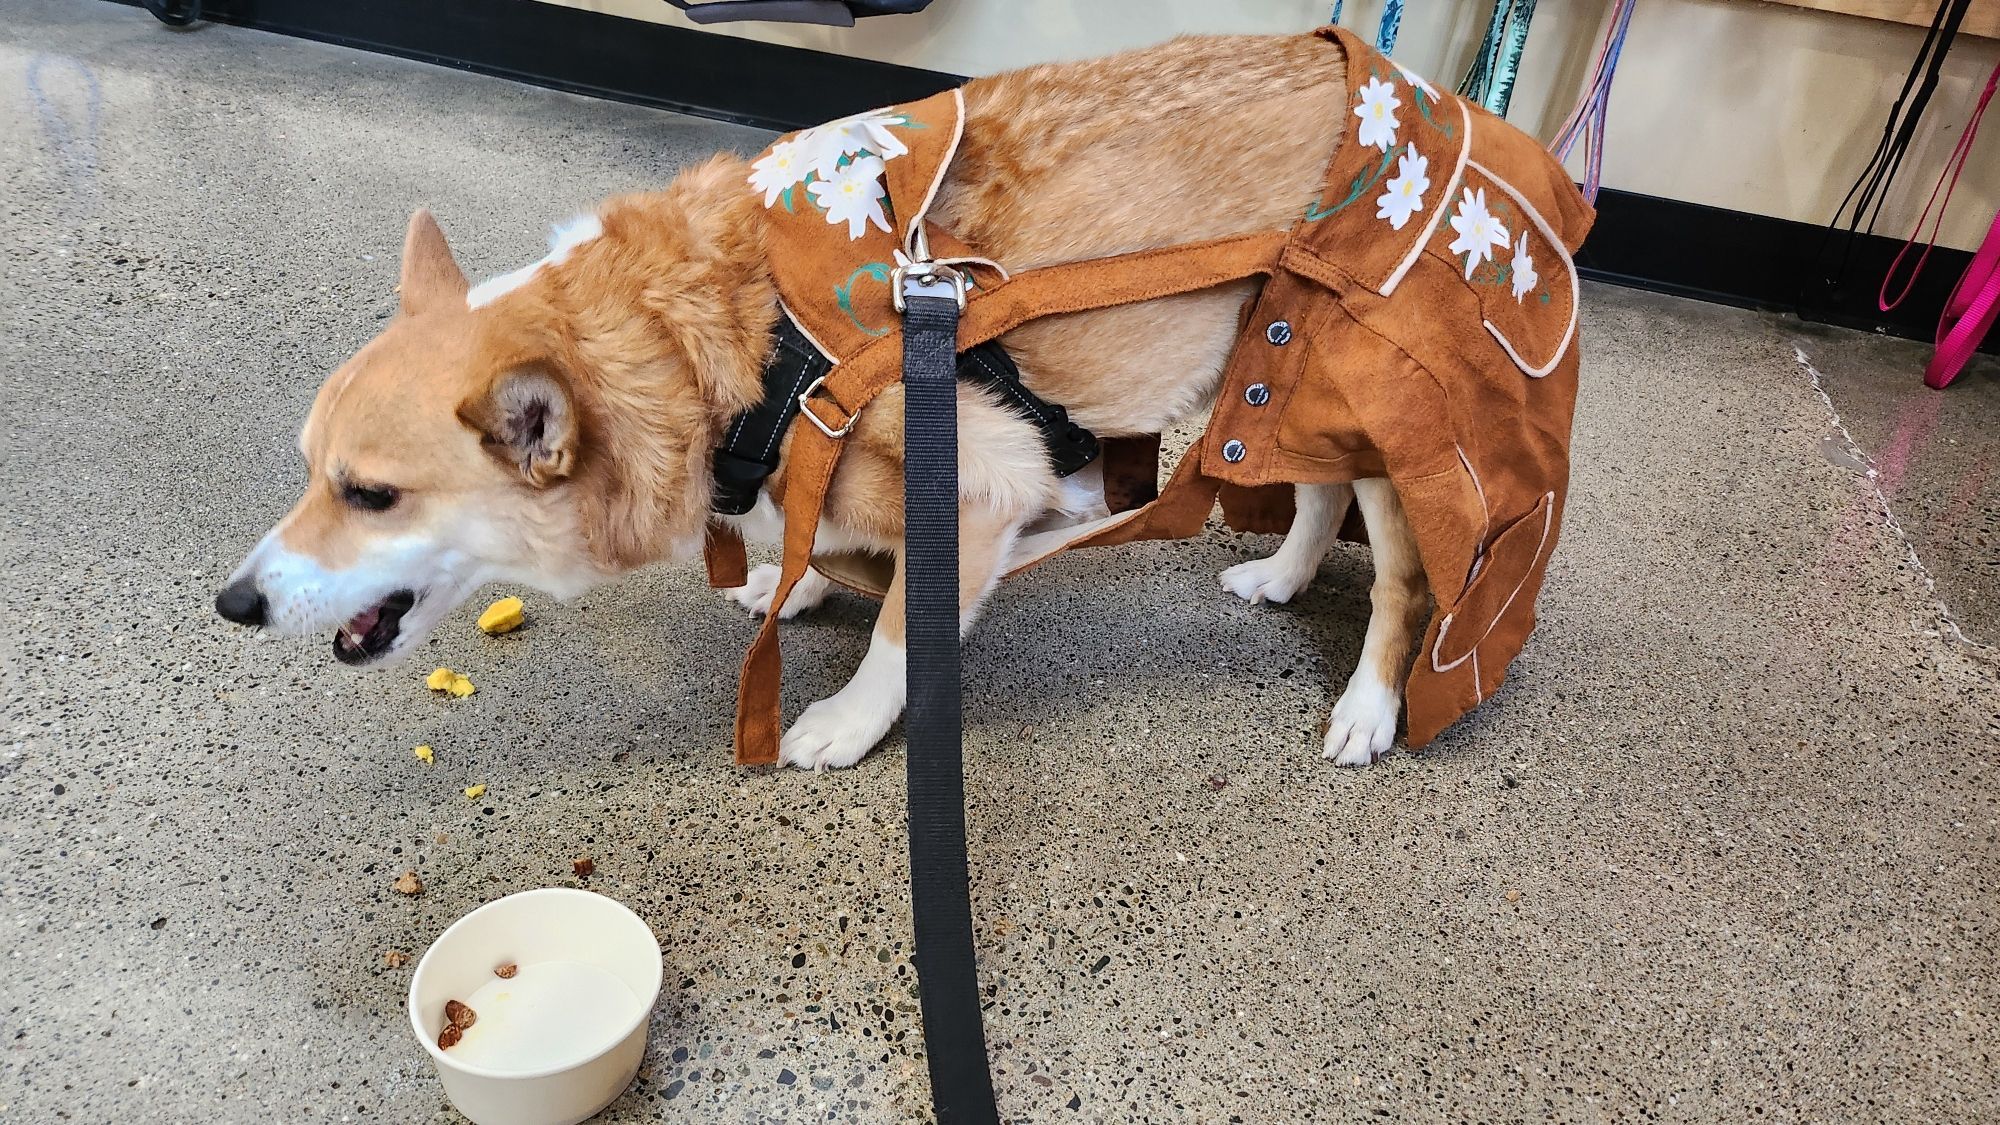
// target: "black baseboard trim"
[[582, 52], [1642, 241]]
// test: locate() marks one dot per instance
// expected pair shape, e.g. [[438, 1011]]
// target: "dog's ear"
[[527, 419], [431, 277]]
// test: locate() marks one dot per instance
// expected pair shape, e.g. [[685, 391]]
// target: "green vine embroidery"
[[843, 294], [1362, 183]]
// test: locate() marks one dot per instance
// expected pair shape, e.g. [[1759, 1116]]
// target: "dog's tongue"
[[362, 622]]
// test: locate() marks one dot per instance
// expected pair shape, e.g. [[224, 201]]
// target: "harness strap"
[[748, 454], [814, 453], [1070, 447]]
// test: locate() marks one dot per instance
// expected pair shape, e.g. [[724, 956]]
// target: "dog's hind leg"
[[1317, 512], [838, 730], [1364, 719]]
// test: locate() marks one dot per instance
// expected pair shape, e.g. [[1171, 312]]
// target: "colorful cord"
[[1490, 82], [1587, 120]]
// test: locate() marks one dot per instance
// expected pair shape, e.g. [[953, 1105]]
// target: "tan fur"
[[642, 344]]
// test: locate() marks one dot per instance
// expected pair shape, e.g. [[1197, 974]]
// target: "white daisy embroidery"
[[826, 144], [1478, 231], [1377, 112], [1414, 79], [1525, 276], [1405, 194], [853, 195], [777, 170]]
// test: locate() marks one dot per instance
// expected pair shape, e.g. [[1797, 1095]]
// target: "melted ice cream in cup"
[[560, 1037]]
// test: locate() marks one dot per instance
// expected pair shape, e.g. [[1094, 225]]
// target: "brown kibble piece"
[[461, 1017], [448, 1038], [507, 971], [1513, 896], [409, 884], [583, 866], [395, 958]]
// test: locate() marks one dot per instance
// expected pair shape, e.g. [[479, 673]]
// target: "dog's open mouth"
[[370, 633]]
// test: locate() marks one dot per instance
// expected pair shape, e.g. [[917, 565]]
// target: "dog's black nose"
[[241, 602]]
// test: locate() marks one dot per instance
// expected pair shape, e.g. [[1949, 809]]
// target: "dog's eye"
[[369, 497]]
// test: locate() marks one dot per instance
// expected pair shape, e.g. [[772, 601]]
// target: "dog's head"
[[436, 460], [553, 427]]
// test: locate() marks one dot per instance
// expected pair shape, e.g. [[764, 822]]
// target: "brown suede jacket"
[[1418, 322]]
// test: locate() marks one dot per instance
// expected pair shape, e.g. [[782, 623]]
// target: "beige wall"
[[1735, 103]]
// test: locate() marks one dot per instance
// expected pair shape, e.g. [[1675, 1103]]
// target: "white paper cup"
[[551, 924]]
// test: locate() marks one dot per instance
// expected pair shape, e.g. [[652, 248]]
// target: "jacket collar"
[[1401, 157]]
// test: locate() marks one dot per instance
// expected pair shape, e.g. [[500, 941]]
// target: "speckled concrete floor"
[[1725, 849]]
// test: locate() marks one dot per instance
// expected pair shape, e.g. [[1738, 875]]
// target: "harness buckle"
[[805, 408], [925, 279]]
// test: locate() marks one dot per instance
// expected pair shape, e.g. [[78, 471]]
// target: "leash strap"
[[1871, 187], [1947, 182], [1490, 82], [1969, 314], [940, 891]]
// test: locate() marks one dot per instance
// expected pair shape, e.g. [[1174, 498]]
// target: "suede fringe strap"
[[813, 453]]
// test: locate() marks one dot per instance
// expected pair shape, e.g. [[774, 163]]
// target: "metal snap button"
[[1234, 451], [1279, 333], [1256, 394]]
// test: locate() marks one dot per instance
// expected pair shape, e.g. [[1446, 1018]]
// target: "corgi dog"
[[555, 426]]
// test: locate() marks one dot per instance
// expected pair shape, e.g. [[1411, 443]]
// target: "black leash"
[[940, 892], [1871, 188]]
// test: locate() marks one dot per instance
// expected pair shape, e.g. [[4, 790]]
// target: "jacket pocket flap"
[[1519, 269], [1500, 578]]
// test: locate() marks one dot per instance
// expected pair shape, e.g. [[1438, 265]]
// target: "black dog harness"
[[749, 451]]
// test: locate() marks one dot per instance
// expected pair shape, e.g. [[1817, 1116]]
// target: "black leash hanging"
[[940, 892], [1871, 188]]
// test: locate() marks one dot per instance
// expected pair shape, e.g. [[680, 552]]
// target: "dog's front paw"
[[1266, 580], [1364, 723], [837, 732], [755, 595]]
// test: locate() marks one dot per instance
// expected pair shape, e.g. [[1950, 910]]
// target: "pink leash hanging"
[[1969, 314], [1975, 300]]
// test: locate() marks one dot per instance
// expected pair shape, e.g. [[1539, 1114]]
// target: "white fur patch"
[[755, 594], [302, 596], [764, 525], [566, 236], [837, 731], [1364, 720]]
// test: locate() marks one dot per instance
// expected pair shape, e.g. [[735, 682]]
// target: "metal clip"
[[805, 408], [925, 279]]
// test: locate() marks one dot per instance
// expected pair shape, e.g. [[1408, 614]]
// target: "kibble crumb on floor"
[[1721, 851]]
